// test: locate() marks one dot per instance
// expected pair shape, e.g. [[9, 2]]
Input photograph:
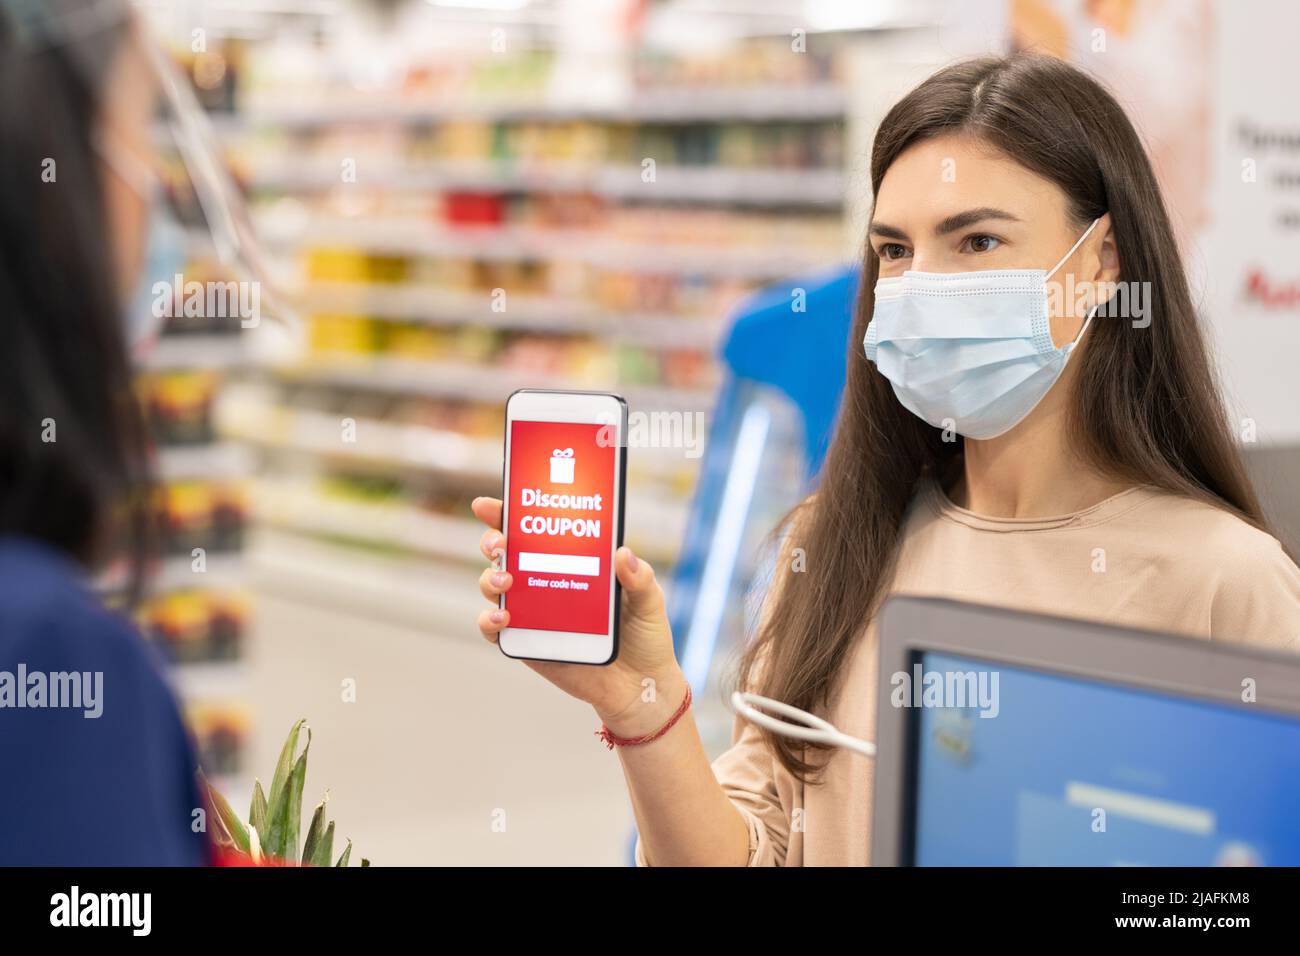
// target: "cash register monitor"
[[1010, 739]]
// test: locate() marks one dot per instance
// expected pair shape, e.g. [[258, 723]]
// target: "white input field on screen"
[[584, 564]]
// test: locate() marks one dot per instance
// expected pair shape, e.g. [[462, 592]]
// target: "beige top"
[[1170, 564]]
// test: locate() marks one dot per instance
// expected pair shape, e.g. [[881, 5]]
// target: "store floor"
[[450, 755]]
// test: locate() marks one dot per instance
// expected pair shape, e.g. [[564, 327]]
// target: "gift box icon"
[[562, 466]]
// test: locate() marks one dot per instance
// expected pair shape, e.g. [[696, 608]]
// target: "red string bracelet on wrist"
[[613, 740]]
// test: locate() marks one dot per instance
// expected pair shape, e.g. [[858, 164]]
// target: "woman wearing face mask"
[[97, 766], [997, 429]]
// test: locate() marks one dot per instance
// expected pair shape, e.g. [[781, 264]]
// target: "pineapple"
[[270, 837]]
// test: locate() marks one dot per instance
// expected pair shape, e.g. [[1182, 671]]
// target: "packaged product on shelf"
[[229, 516], [178, 405], [200, 514], [753, 63], [371, 489], [362, 406], [353, 265], [637, 366], [514, 74], [521, 277], [461, 140], [476, 343], [412, 340], [227, 623], [184, 516], [473, 209], [685, 368], [346, 334], [193, 625], [220, 729], [206, 301], [178, 623]]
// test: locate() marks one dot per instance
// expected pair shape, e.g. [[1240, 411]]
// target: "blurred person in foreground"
[[98, 768]]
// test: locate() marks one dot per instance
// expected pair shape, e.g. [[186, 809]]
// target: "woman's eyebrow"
[[971, 216], [887, 232], [954, 222]]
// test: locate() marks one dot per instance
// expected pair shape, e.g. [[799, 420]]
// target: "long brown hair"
[[1146, 407], [64, 360]]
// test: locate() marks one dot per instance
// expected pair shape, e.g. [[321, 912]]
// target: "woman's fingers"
[[644, 596], [493, 583], [491, 621], [492, 544], [487, 510]]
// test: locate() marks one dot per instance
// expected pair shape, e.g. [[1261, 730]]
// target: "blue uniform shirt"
[[78, 789]]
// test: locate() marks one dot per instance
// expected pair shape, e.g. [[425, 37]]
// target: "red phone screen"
[[559, 543]]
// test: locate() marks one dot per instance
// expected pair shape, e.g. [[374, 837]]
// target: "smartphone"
[[562, 514]]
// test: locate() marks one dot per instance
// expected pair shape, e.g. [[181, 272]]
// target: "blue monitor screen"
[[1068, 771]]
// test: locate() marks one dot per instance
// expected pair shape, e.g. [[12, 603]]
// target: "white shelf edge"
[[479, 383], [767, 102]]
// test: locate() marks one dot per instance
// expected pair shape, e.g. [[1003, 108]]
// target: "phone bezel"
[[599, 408]]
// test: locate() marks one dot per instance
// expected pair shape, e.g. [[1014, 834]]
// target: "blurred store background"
[[470, 196]]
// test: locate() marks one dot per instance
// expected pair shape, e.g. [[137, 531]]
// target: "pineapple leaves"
[[225, 820], [286, 809], [275, 821], [324, 849], [257, 813], [315, 831], [285, 764]]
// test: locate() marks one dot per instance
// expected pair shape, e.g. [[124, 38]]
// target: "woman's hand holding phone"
[[683, 815], [644, 686]]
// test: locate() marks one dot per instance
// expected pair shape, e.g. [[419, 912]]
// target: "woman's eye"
[[981, 243], [892, 250]]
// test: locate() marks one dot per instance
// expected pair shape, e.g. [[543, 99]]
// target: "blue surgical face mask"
[[164, 258], [970, 351], [164, 254]]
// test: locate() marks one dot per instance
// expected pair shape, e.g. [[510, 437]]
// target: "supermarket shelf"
[[389, 447], [439, 598], [208, 679], [420, 238], [296, 504], [196, 351], [174, 573], [221, 460], [223, 570], [807, 103], [721, 184], [436, 596], [711, 184], [475, 382], [388, 558], [379, 443], [436, 306], [821, 101]]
